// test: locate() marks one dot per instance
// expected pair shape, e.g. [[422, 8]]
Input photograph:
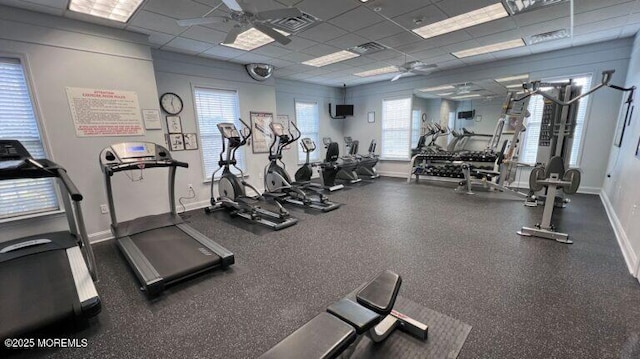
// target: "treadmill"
[[45, 278], [161, 249]]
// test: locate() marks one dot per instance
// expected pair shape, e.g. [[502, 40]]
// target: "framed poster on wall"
[[262, 135], [176, 142], [190, 141], [174, 125]]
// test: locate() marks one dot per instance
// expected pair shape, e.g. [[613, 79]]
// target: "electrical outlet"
[[104, 209]]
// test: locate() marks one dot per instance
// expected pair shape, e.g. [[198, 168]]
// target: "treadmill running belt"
[[173, 253], [42, 292]]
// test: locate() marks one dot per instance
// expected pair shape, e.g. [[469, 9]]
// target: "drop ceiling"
[[344, 24]]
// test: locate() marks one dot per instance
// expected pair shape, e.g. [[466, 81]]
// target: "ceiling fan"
[[245, 20], [413, 67]]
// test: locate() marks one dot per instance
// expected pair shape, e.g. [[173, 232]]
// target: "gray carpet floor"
[[458, 255]]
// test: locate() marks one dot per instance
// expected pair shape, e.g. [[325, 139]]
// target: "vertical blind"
[[415, 128], [214, 107], [396, 129], [532, 134], [18, 122], [309, 125]]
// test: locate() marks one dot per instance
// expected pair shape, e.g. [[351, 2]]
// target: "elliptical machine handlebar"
[[245, 138], [294, 138]]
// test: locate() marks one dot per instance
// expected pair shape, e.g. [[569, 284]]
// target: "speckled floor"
[[458, 254]]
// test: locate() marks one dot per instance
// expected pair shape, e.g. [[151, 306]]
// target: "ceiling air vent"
[[548, 36], [368, 48], [518, 6], [294, 24]]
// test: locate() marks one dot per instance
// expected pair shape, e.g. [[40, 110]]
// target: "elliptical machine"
[[232, 189], [277, 180], [328, 169]]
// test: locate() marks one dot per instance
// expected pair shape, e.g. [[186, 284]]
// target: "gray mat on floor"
[[445, 339]]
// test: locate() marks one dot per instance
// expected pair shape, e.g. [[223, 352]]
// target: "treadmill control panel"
[[228, 130], [131, 152], [11, 150]]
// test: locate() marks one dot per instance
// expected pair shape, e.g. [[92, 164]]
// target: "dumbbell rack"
[[448, 166]]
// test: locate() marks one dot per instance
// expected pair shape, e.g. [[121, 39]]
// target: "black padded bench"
[[328, 335]]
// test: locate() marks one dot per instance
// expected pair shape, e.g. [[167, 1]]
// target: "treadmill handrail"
[[69, 185], [113, 168]]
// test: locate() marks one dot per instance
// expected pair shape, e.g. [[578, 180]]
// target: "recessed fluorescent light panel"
[[380, 71], [331, 58], [506, 45], [252, 39], [465, 96], [117, 10], [513, 78], [437, 88], [463, 21]]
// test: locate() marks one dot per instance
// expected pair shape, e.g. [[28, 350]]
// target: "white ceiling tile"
[[255, 6], [414, 47], [599, 26], [186, 9], [403, 38], [499, 37], [507, 54], [360, 61], [187, 45], [156, 38], [383, 55], [590, 5], [326, 9], [492, 27], [356, 19], [602, 14], [300, 68], [446, 39], [591, 37], [322, 32], [59, 4], [204, 34], [289, 2], [440, 59], [317, 72], [52, 10], [155, 22], [297, 57], [455, 63], [541, 15], [556, 24], [297, 44], [392, 8], [320, 50], [280, 63], [224, 52], [457, 7], [347, 41], [380, 30], [272, 51], [465, 45], [478, 59], [250, 57], [427, 15]]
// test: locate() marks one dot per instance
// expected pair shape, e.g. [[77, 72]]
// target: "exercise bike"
[[277, 180], [328, 169], [232, 190]]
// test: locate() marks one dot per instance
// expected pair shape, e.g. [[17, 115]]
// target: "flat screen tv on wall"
[[344, 110]]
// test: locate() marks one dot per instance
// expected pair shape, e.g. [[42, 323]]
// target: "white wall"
[[579, 60], [61, 53], [621, 194]]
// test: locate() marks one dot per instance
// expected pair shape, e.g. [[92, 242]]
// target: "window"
[[396, 129], [25, 196], [532, 134], [214, 107], [309, 125], [415, 128]]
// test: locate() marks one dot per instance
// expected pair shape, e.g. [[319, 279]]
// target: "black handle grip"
[[69, 185], [181, 164]]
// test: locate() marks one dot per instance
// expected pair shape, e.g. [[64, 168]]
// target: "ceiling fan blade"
[[233, 5], [269, 31], [203, 20], [397, 76], [278, 14], [232, 35]]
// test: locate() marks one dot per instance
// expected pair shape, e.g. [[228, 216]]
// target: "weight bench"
[[345, 323]]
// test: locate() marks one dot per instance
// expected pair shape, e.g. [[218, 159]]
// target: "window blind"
[[396, 129], [213, 107], [308, 122], [415, 128], [18, 122]]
